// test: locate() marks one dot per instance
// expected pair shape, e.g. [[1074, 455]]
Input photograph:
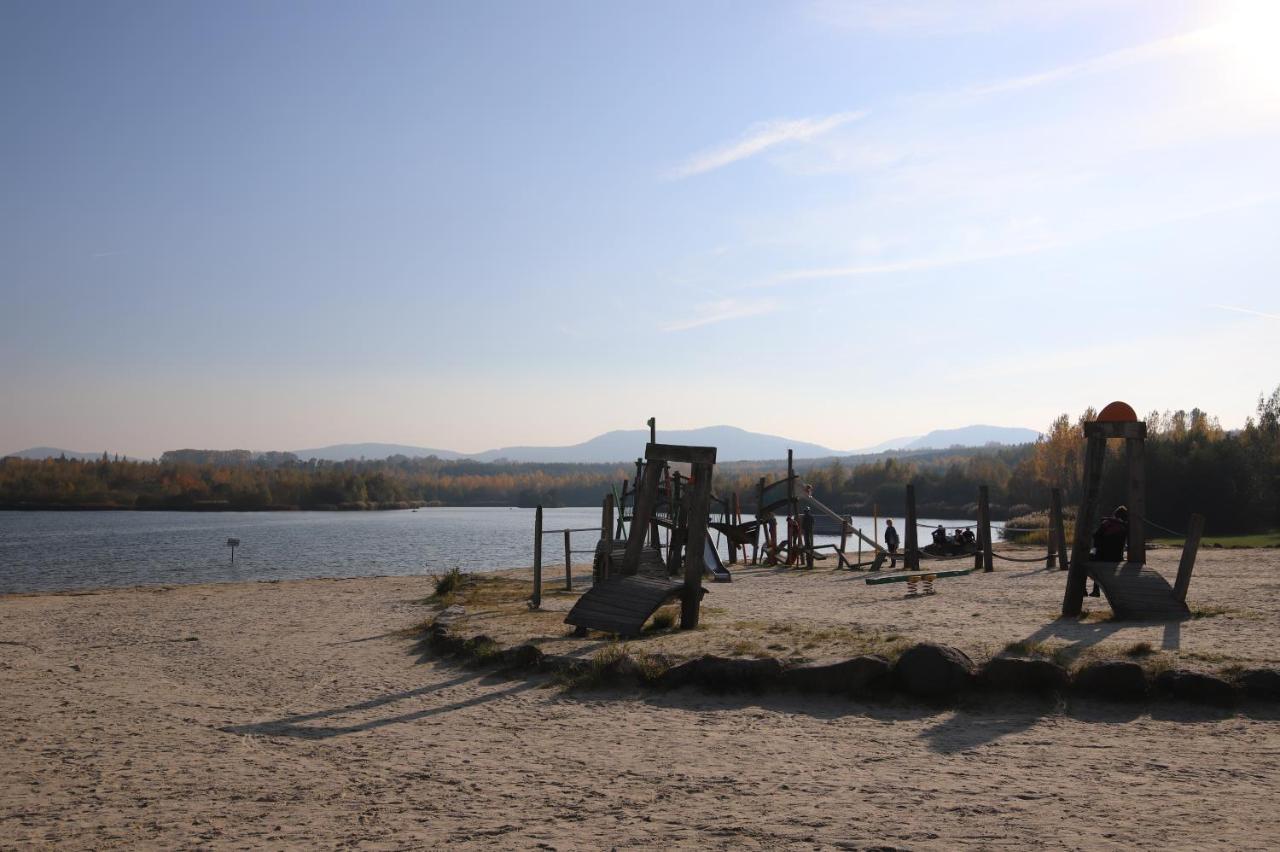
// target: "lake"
[[70, 550]]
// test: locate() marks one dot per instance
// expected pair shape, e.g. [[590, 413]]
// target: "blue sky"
[[466, 225]]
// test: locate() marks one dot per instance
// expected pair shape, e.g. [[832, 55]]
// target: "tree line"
[[1193, 465]]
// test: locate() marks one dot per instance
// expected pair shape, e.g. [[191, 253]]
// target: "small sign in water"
[[233, 543]]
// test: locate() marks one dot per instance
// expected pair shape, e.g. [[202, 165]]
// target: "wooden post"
[[606, 535], [875, 524], [1078, 575], [910, 540], [1058, 535], [1134, 451], [622, 510], [537, 558], [846, 524], [698, 504], [568, 564], [646, 496], [653, 430], [984, 528], [735, 520], [1188, 561]]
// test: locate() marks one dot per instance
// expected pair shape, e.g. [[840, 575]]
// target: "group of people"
[[962, 536]]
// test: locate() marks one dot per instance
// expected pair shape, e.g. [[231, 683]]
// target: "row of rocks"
[[928, 671]]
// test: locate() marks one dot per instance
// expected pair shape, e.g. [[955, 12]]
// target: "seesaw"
[[914, 579]]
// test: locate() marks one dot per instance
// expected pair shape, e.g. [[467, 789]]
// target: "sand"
[[304, 715]]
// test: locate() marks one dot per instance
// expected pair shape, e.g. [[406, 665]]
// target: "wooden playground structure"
[[1134, 591], [655, 539]]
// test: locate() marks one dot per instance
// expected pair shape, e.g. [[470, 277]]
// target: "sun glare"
[[1249, 36]]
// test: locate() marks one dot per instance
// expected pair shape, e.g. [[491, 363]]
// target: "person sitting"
[[1109, 540], [940, 536], [970, 538], [958, 538]]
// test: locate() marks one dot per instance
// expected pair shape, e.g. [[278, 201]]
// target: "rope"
[[927, 555], [1174, 533], [1012, 559], [955, 527], [1027, 529]]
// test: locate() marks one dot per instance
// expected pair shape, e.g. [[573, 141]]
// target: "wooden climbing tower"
[[1133, 590]]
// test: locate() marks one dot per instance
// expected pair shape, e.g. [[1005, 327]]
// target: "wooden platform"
[[1136, 592], [622, 605]]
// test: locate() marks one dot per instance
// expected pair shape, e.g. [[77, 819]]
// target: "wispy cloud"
[[721, 311], [1247, 311], [761, 137], [934, 17], [1102, 63], [917, 264]]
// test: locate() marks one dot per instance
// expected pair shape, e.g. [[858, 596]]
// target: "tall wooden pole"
[[537, 558], [606, 535], [646, 496], [568, 563], [911, 549], [699, 498], [1058, 536], [1188, 561], [1078, 575], [1134, 452], [984, 527]]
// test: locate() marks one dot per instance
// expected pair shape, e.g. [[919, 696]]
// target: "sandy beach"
[[307, 715]]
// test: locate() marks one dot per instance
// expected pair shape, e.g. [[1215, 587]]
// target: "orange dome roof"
[[1117, 412]]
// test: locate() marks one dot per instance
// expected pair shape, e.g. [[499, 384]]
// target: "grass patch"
[[1027, 648], [612, 663], [449, 584], [663, 619], [1266, 539], [1139, 649], [1209, 611]]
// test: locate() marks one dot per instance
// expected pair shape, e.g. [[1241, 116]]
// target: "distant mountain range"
[[56, 452], [732, 443]]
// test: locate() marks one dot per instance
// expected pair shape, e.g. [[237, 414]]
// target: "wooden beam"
[[697, 507], [1111, 429], [680, 453], [1188, 562], [646, 496], [1058, 535], [606, 533], [568, 562], [1078, 575], [1134, 453], [910, 537], [537, 558], [984, 528]]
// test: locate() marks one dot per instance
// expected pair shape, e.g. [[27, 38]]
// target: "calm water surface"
[[47, 551]]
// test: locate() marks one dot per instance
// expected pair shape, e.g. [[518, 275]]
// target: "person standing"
[[891, 541]]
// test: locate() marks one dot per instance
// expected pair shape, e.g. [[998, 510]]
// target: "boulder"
[[1196, 687], [1260, 684], [1018, 674], [928, 670], [721, 674], [849, 677], [1116, 680], [522, 657]]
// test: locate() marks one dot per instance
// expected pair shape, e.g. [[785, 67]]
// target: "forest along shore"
[[307, 713]]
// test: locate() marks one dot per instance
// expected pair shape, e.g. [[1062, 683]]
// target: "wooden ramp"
[[621, 605], [1136, 592]]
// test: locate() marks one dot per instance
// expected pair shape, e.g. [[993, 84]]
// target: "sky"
[[469, 225]]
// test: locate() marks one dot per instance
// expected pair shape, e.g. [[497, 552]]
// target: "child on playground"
[[891, 542]]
